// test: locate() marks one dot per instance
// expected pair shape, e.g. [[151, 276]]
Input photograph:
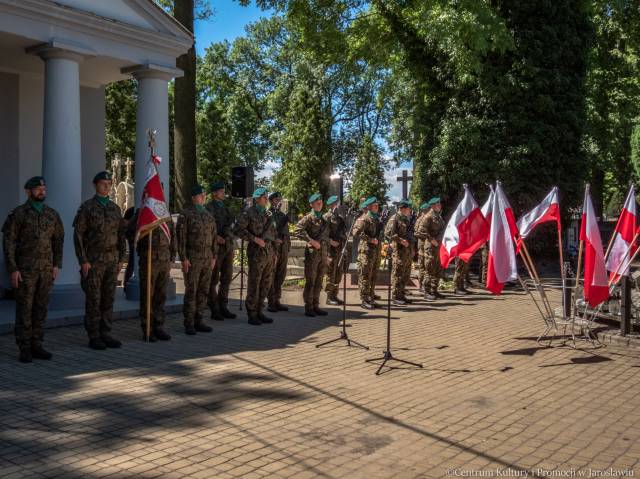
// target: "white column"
[[152, 113]]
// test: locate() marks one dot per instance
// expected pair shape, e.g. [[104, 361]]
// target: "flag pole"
[[148, 315], [623, 261]]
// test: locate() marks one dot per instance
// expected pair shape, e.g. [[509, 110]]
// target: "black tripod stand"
[[345, 267], [387, 355]]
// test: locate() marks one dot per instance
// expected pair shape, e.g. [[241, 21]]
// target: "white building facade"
[[55, 60]]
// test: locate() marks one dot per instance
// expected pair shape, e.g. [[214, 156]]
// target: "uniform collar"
[[103, 200], [317, 214], [38, 206], [200, 208]]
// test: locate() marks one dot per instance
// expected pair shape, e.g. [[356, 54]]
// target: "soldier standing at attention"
[[282, 245], [33, 238], [196, 232], [337, 239], [366, 229], [424, 208], [255, 225], [101, 249], [397, 230], [223, 270], [313, 229], [163, 252], [460, 278], [431, 229]]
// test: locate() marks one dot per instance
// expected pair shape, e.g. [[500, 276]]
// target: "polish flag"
[[596, 288], [153, 212], [508, 211], [548, 210], [486, 208], [502, 257], [622, 248], [465, 233]]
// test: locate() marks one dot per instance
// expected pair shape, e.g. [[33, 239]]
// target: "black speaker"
[[242, 181], [336, 186]]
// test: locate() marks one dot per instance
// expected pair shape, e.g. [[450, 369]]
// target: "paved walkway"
[[265, 402]]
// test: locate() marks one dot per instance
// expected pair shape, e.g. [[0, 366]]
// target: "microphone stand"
[[345, 267], [387, 355]]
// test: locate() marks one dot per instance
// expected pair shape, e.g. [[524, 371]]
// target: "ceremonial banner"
[[548, 210], [502, 258], [153, 211], [623, 242], [486, 208], [596, 288], [466, 231]]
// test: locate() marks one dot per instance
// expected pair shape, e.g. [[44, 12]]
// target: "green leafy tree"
[[368, 179], [120, 119]]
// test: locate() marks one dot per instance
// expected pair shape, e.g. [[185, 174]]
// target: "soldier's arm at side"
[[173, 243], [241, 229], [214, 234], [300, 230], [181, 237], [122, 241], [390, 230], [9, 242], [57, 242], [358, 231], [79, 228]]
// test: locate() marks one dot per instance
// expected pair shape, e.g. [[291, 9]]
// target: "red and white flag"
[[508, 211], [502, 265], [486, 208], [465, 233], [548, 210], [622, 248], [596, 287], [153, 211]]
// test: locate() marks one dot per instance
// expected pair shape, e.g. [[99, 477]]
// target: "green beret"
[[404, 204], [424, 205], [315, 197], [218, 185], [369, 201], [275, 194], [103, 175], [197, 190], [34, 182], [259, 192], [331, 200], [434, 200]]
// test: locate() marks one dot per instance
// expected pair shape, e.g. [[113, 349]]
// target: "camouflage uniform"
[[223, 270], [366, 228], [431, 229], [254, 223], [32, 245], [420, 247], [312, 227], [196, 235], [460, 275], [337, 232], [163, 252], [282, 252], [398, 228], [100, 240], [484, 255]]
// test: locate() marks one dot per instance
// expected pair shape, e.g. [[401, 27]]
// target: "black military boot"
[[38, 352], [224, 311], [254, 320], [438, 295], [333, 301], [376, 296], [319, 312], [201, 327], [367, 305], [264, 319], [272, 308], [399, 302], [216, 315], [281, 307], [460, 292], [25, 354], [161, 334], [429, 297], [189, 329], [308, 311], [97, 344], [110, 342]]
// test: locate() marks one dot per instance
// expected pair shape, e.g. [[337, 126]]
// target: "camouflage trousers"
[[261, 263], [460, 275], [400, 270], [221, 277], [196, 291], [315, 263], [279, 273], [334, 271], [99, 288], [368, 264], [32, 300], [160, 270], [484, 254], [420, 263], [433, 269]]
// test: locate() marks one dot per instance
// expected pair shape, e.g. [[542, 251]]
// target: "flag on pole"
[[153, 211], [486, 208], [596, 287], [508, 211], [466, 231], [502, 265], [547, 210], [622, 248]]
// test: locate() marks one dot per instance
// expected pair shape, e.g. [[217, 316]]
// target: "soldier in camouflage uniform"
[[33, 238], [431, 229], [101, 249], [460, 277], [424, 208], [282, 245], [163, 253], [223, 270], [337, 239], [196, 233], [397, 231], [256, 226], [313, 229], [367, 229]]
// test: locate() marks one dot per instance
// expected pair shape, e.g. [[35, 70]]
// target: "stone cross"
[[129, 166], [405, 179]]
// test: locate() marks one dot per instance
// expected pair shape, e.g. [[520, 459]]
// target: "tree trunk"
[[185, 113]]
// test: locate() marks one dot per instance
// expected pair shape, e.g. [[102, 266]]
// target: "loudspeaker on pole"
[[242, 181]]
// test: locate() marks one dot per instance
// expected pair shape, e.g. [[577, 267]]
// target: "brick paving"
[[263, 401]]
